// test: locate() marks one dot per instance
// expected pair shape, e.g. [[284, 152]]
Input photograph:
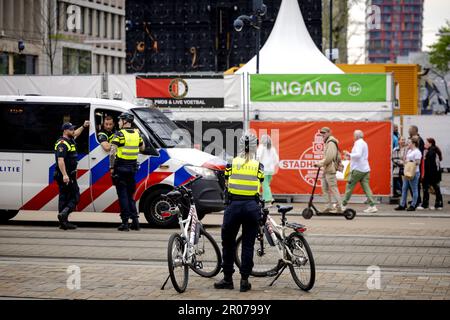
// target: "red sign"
[[300, 146]]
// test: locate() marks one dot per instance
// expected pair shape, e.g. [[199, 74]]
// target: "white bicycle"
[[193, 247], [273, 246]]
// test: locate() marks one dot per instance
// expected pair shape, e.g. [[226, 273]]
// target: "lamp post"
[[254, 21], [331, 30]]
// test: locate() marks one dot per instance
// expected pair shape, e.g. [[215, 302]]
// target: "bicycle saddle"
[[173, 194], [284, 209]]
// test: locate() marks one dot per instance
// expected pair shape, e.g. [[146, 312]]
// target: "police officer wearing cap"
[[66, 173], [125, 148], [244, 176]]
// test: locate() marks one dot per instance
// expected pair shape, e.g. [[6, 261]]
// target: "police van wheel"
[[154, 206], [6, 215]]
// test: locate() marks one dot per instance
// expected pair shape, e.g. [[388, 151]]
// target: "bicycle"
[[193, 247], [292, 251]]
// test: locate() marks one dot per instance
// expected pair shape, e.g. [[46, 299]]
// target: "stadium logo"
[[178, 88]]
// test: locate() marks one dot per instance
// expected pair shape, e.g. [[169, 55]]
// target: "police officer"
[[106, 135], [125, 147], [244, 177], [66, 173]]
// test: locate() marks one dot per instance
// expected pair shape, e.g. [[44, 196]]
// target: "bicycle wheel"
[[208, 258], [303, 269], [178, 271], [265, 258]]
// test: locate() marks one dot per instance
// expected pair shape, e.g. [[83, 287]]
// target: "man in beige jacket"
[[328, 163]]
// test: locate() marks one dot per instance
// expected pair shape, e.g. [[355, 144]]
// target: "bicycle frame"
[[275, 229], [190, 230]]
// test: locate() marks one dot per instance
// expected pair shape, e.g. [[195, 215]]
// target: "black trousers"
[[426, 194], [246, 213], [125, 187], [69, 194]]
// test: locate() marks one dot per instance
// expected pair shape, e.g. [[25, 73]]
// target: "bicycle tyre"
[[176, 242], [217, 259], [260, 268], [309, 284]]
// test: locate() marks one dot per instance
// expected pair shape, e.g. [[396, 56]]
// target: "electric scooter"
[[307, 213]]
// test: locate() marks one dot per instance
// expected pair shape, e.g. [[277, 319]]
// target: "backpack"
[[339, 166]]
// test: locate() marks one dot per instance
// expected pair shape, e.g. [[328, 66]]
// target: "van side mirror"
[[150, 151]]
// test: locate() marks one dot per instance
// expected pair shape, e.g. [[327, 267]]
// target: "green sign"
[[318, 87]]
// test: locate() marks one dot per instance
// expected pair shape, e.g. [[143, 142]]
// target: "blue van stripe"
[[142, 172], [155, 162], [52, 168], [181, 176], [93, 142], [99, 170]]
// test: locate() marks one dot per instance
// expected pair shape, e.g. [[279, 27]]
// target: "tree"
[[440, 51], [50, 30]]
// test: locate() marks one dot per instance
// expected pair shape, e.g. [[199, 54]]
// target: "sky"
[[436, 12]]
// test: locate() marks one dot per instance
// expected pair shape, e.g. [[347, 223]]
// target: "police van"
[[32, 124]]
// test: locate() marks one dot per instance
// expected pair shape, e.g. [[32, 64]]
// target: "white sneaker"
[[432, 208], [371, 209], [439, 208], [420, 208]]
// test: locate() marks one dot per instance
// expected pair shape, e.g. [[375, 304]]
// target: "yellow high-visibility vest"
[[70, 147], [130, 148], [244, 179]]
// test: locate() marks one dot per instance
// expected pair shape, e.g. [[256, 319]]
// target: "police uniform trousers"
[[69, 194], [126, 186], [246, 213]]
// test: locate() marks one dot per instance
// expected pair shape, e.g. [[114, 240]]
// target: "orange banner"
[[300, 146]]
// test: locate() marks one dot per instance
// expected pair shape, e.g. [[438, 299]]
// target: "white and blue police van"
[[32, 124]]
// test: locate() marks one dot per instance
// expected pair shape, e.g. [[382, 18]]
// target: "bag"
[[338, 165], [410, 170]]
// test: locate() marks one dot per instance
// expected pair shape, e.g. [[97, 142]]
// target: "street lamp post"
[[255, 21]]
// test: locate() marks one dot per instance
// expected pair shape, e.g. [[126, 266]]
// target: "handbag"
[[410, 170]]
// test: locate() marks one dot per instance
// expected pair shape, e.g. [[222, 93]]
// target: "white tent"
[[289, 48]]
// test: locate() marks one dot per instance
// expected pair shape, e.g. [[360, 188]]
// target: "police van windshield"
[[159, 124]]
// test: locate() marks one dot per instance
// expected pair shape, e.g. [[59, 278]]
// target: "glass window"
[[159, 124], [12, 127], [24, 64], [4, 63], [76, 61], [42, 125]]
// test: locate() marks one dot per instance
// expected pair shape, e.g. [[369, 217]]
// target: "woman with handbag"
[[432, 174], [411, 175]]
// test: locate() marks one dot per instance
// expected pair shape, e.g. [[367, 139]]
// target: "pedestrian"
[[395, 137], [432, 174], [106, 135], [268, 156], [329, 163], [359, 171], [414, 132], [398, 154], [66, 158], [125, 147], [244, 176], [412, 155]]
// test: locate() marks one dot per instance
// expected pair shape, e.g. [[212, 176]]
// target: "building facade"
[[399, 31], [62, 37]]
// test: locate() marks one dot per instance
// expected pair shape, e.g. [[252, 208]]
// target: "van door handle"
[[94, 158], [27, 160], [164, 166]]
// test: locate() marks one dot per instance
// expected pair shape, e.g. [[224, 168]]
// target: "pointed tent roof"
[[289, 48]]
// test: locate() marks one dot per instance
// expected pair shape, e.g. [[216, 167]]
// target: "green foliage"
[[440, 53]]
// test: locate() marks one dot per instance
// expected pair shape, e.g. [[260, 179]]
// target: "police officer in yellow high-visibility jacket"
[[244, 177], [124, 152]]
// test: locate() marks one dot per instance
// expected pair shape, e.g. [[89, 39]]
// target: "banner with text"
[[318, 88], [182, 91], [301, 145]]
